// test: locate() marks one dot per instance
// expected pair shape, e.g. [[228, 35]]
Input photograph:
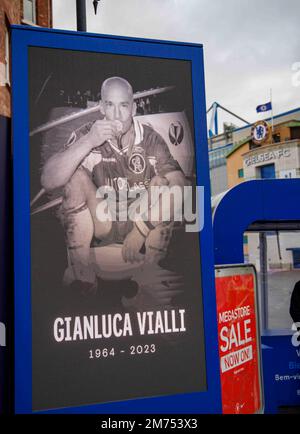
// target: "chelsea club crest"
[[260, 132], [137, 163]]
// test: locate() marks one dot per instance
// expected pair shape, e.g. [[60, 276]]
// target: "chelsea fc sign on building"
[[267, 156]]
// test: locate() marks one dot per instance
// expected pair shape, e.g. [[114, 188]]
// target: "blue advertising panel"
[[115, 306]]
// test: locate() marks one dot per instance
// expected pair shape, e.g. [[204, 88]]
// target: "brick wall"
[[11, 12], [44, 13]]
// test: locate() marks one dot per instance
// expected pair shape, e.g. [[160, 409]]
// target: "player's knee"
[[102, 219], [102, 229], [75, 190]]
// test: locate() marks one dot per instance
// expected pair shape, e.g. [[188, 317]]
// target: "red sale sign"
[[238, 340]]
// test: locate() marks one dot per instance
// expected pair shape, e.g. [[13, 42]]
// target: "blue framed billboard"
[[115, 306]]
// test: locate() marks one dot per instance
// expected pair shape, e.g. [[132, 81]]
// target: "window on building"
[[29, 10], [295, 133], [267, 171], [241, 173], [276, 138]]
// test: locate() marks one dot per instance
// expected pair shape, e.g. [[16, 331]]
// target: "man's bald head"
[[116, 83]]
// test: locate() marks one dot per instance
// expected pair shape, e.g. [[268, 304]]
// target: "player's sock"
[[79, 229]]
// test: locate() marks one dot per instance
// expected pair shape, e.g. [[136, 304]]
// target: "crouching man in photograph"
[[121, 153]]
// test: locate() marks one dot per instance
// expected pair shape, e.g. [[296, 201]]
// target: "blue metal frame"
[[260, 200], [22, 38]]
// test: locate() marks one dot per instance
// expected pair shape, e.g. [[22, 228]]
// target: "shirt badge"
[[137, 163]]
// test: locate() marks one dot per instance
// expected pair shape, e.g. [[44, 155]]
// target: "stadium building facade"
[[233, 158]]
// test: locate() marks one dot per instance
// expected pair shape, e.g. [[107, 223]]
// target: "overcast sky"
[[249, 46]]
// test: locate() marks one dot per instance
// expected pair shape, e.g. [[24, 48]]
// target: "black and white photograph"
[[117, 310]]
